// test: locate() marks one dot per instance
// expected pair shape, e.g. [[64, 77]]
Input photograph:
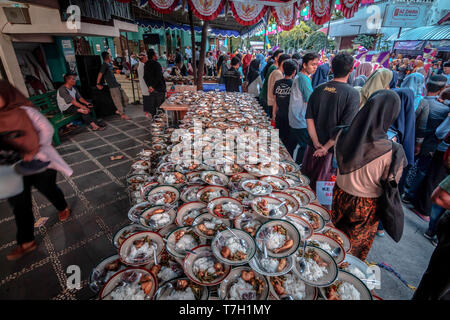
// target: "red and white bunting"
[[349, 7], [320, 10], [284, 16], [163, 6], [206, 9], [247, 13]]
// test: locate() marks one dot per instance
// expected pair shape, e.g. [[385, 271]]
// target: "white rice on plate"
[[204, 264], [186, 242], [181, 295], [167, 274], [136, 252], [211, 224], [240, 289], [160, 219], [294, 287], [234, 245], [275, 240], [269, 264], [313, 271], [230, 207], [129, 292], [347, 291]]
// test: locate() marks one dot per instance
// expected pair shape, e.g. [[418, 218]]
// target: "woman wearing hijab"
[[364, 155], [379, 80], [365, 69], [45, 182], [405, 124], [262, 64], [254, 79], [321, 75], [415, 82]]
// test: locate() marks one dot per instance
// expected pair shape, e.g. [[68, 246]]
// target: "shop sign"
[[405, 16]]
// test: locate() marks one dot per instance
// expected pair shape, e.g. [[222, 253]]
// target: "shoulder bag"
[[390, 209]]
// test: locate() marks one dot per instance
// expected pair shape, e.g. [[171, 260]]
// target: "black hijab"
[[253, 72], [366, 138]]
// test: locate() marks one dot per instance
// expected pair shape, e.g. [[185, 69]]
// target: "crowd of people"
[[370, 129], [365, 127]]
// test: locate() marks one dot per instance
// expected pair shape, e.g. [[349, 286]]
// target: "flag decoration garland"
[[206, 10], [247, 13], [349, 7], [163, 6], [321, 11], [284, 16], [250, 12]]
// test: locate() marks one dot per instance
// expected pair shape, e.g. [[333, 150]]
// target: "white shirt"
[[142, 84]]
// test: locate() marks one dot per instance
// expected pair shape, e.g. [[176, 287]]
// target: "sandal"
[[19, 251], [64, 215], [380, 233], [99, 129]]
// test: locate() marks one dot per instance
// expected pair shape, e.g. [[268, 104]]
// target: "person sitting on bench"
[[70, 102]]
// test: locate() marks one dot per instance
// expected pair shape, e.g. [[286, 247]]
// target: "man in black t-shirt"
[[331, 104], [282, 93], [232, 77]]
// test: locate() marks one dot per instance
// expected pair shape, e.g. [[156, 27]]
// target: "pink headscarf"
[[365, 69]]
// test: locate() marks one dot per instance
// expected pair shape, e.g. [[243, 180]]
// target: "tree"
[[364, 40], [317, 41], [295, 37]]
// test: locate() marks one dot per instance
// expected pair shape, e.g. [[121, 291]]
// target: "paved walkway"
[[97, 195]]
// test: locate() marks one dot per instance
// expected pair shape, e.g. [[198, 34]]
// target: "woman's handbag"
[[390, 209], [11, 184]]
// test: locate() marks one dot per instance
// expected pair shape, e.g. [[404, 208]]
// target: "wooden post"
[[194, 67], [131, 72], [265, 44], [201, 63]]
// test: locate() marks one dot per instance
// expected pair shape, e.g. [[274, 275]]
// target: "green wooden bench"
[[49, 107]]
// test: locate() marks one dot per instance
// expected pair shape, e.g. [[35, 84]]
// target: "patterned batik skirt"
[[356, 217]]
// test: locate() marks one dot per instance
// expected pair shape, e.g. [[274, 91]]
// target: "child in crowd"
[[282, 93]]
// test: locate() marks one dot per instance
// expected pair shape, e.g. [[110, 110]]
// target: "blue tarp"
[[213, 87]]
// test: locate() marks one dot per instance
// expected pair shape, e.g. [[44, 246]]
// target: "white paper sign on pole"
[[324, 191]]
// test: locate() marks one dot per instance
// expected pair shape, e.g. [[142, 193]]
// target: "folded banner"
[[321, 10], [247, 13], [284, 16], [383, 59], [349, 7], [163, 6], [206, 9]]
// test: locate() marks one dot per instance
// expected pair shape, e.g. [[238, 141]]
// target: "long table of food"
[[212, 220]]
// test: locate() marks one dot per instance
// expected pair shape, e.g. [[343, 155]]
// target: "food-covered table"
[[213, 218]]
